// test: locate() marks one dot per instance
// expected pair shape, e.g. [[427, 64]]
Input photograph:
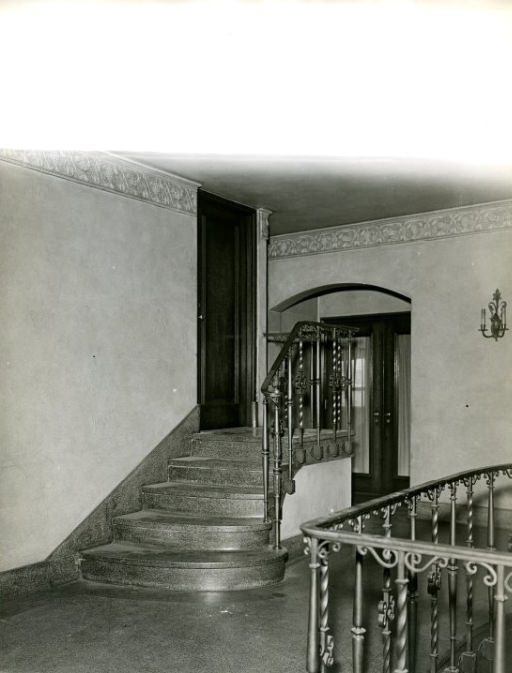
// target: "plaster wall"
[[97, 349], [320, 489], [284, 321], [461, 383], [359, 302]]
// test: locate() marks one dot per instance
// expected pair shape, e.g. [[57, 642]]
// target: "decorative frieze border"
[[111, 173], [433, 225]]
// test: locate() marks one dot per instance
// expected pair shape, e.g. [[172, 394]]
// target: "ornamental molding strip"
[[111, 174], [433, 225]]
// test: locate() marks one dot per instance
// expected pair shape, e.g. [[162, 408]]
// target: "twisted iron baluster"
[[334, 385], [339, 401], [401, 622], [468, 657], [326, 639], [387, 604], [452, 581], [313, 654], [413, 591], [312, 382], [433, 587], [300, 387]]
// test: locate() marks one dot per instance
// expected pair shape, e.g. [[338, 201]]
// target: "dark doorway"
[[381, 395], [226, 311]]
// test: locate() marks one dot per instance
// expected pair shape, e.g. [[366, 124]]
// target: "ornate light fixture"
[[498, 311]]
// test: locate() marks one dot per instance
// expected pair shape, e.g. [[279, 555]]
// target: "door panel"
[[226, 312]]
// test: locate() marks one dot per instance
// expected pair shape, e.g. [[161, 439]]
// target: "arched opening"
[[333, 288], [382, 367]]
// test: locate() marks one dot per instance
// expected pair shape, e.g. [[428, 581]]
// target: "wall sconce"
[[498, 311]]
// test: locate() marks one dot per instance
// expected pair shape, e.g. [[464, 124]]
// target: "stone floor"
[[92, 628]]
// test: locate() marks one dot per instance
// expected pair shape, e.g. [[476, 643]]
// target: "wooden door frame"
[[246, 376]]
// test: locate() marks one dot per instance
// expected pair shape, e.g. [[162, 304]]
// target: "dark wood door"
[[381, 387], [226, 312]]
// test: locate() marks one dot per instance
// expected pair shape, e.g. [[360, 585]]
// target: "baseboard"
[[295, 547], [39, 576]]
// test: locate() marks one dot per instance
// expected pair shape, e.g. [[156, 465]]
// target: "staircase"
[[202, 530]]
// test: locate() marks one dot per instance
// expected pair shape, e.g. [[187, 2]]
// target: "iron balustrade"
[[405, 562], [314, 358]]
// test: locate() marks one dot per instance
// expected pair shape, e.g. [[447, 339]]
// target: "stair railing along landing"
[[414, 569], [308, 390]]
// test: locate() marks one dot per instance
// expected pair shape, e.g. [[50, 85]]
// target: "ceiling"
[[308, 193]]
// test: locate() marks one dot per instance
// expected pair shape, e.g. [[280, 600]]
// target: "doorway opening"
[[226, 312], [381, 403]]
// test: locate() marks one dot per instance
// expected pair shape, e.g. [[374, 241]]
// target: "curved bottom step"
[[148, 566]]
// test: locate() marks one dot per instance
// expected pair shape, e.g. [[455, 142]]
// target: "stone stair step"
[[235, 443], [202, 530], [215, 471], [156, 566], [240, 501], [189, 531]]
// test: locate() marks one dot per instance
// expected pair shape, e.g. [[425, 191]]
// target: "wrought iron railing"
[[309, 387], [413, 568]]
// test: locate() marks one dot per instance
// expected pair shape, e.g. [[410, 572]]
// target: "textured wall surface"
[[359, 302], [461, 383], [97, 348], [320, 489]]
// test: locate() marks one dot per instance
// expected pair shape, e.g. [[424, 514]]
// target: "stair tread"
[[153, 555], [218, 463], [244, 435], [160, 517], [206, 490]]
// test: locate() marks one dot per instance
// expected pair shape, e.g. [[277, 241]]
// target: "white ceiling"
[[307, 193], [165, 80]]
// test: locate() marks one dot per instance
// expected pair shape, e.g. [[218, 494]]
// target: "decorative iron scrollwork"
[[389, 554], [335, 381], [301, 383], [327, 650], [386, 612], [489, 579], [412, 561], [434, 581]]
